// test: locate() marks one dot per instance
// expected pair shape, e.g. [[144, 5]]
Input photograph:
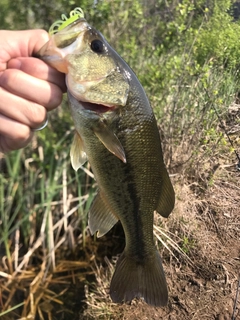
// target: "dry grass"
[[35, 280]]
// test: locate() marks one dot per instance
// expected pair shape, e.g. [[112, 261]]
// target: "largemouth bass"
[[117, 131]]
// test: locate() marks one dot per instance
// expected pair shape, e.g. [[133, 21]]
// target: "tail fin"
[[132, 279]]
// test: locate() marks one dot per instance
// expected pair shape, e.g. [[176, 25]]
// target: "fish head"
[[93, 71]]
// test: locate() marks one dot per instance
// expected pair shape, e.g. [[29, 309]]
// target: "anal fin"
[[101, 218]]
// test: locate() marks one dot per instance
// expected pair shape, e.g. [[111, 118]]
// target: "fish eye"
[[97, 46]]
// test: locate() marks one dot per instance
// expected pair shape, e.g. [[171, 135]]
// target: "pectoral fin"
[[110, 141], [167, 196], [100, 217], [77, 153]]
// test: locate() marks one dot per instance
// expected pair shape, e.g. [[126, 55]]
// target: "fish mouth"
[[90, 106], [99, 108]]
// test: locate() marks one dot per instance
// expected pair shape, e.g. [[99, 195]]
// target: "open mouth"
[[99, 108]]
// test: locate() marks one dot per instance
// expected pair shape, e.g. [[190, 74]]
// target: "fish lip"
[[96, 107]]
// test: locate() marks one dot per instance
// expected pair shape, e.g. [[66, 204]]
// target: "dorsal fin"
[[167, 196]]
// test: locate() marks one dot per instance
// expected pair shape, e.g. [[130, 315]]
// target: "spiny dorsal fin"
[[77, 153], [100, 217], [110, 141], [167, 196]]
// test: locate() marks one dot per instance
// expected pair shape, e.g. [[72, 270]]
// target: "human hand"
[[28, 87]]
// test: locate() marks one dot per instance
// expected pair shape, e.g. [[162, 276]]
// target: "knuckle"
[[42, 35], [8, 78], [55, 98], [22, 136], [36, 115]]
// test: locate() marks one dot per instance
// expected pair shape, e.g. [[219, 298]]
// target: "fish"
[[117, 132]]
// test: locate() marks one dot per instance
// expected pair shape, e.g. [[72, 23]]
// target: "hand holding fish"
[[29, 88]]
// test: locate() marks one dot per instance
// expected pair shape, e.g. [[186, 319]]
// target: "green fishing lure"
[[58, 25]]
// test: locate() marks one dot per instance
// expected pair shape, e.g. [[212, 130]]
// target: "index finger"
[[39, 69]]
